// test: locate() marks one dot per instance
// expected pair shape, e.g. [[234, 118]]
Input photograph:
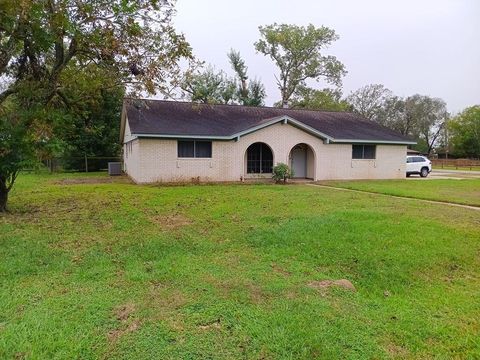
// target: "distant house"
[[168, 141]]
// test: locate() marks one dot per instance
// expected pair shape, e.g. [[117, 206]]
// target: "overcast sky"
[[430, 47]]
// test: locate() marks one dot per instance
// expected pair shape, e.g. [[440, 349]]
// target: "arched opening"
[[259, 159], [302, 161]]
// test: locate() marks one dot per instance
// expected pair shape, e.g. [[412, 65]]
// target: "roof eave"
[[386, 142], [123, 118], [178, 136]]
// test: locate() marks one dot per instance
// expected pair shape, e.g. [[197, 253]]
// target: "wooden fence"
[[472, 164]]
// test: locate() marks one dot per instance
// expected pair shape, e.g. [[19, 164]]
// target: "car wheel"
[[424, 172]]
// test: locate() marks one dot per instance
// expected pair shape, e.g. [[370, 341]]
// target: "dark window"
[[410, 160], [418, 159], [357, 151], [363, 151], [194, 148], [186, 149], [259, 159], [203, 149]]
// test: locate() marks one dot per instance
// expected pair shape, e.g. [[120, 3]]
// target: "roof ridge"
[[238, 105]]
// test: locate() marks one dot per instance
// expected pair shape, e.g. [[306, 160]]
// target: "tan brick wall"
[[157, 161]]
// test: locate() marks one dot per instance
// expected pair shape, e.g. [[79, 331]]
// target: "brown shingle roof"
[[172, 118]]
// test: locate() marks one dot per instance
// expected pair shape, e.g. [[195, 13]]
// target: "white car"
[[417, 164]]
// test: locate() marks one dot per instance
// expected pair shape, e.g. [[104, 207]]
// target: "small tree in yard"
[[17, 151], [282, 172]]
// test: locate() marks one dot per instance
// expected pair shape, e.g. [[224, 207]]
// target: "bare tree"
[[371, 101]]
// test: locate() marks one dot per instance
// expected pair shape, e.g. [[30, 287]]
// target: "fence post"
[[86, 163]]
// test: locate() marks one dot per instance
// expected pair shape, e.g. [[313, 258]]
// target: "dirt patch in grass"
[[236, 287], [211, 325], [128, 325], [397, 351], [172, 221], [123, 312], [326, 284], [278, 269], [114, 335], [92, 180]]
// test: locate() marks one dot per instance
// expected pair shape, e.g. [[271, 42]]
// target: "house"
[[169, 141]]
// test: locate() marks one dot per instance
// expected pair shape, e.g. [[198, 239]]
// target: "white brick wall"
[[155, 160]]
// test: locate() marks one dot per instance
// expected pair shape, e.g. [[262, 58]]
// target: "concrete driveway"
[[449, 174]]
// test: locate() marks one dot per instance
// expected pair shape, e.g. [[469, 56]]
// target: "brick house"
[[169, 141]]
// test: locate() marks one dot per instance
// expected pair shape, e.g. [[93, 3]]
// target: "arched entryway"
[[302, 161], [259, 159]]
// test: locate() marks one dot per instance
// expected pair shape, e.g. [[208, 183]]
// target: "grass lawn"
[[447, 167], [464, 191], [113, 270]]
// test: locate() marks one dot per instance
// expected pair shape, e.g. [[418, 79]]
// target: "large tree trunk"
[[5, 187], [3, 199]]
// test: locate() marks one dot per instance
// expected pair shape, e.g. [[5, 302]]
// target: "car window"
[[409, 160], [419, 159]]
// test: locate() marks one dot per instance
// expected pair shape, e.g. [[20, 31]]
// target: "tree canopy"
[[418, 116], [216, 87], [209, 86], [297, 51], [313, 99], [44, 44], [248, 93], [465, 132], [370, 101]]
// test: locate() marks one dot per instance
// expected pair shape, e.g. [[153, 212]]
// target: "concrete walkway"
[[471, 207]]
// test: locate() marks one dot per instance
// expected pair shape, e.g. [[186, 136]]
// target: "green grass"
[[464, 191], [450, 167], [114, 270]]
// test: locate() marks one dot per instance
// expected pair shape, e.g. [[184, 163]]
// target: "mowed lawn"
[[452, 167], [464, 191], [92, 269]]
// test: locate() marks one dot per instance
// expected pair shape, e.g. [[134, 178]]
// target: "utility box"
[[114, 168]]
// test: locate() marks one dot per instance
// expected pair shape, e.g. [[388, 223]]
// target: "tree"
[[209, 87], [428, 116], [313, 99], [465, 132], [370, 101], [18, 144], [39, 39], [417, 116], [93, 126], [393, 115], [215, 87], [298, 53], [249, 93]]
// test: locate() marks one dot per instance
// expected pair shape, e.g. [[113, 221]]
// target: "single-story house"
[[170, 141]]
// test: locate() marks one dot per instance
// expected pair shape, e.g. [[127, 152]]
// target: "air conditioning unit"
[[114, 168]]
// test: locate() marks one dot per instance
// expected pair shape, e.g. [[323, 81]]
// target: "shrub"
[[281, 172]]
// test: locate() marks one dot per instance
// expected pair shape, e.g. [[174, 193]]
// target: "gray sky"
[[431, 47]]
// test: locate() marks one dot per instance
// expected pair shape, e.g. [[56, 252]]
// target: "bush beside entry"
[[282, 172]]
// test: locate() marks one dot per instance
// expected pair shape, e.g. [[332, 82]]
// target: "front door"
[[299, 162]]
